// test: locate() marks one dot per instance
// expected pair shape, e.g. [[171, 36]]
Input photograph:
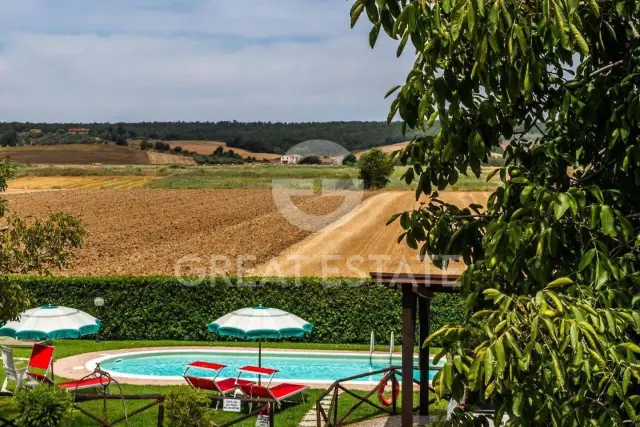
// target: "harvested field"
[[79, 182], [75, 154], [208, 147], [156, 158], [388, 149], [360, 242], [145, 232]]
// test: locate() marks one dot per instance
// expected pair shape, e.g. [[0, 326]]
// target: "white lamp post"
[[98, 302]]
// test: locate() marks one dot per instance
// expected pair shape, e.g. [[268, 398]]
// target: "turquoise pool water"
[[292, 366]]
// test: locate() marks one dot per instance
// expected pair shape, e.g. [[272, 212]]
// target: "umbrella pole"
[[259, 359]]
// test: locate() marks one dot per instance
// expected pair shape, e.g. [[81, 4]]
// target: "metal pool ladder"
[[372, 347]]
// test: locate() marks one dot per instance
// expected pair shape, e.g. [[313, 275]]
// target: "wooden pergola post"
[[408, 338], [424, 307], [417, 292]]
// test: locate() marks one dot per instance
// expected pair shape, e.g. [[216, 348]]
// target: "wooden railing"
[[333, 418], [156, 400]]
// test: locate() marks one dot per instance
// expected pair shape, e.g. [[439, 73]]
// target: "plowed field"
[[145, 232]]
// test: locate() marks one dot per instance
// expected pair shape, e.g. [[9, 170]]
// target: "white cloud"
[[287, 60]]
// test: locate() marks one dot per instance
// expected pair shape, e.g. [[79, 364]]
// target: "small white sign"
[[262, 421], [231, 405]]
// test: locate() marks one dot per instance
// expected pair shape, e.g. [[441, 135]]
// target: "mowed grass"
[[250, 176], [221, 177], [236, 177], [288, 416], [465, 182]]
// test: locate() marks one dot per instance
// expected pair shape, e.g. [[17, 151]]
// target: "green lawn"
[[289, 416]]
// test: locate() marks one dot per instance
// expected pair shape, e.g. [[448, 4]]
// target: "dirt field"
[[79, 182], [156, 158], [208, 147], [75, 154], [360, 242], [144, 232]]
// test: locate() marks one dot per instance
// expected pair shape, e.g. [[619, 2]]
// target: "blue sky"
[[246, 60]]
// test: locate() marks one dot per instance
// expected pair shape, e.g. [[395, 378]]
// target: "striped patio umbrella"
[[257, 323], [51, 322]]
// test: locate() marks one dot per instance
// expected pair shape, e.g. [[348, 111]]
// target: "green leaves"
[[391, 91], [476, 144], [562, 281], [488, 365], [561, 206], [457, 20], [373, 35], [579, 40], [552, 258], [356, 11], [607, 220], [494, 14]]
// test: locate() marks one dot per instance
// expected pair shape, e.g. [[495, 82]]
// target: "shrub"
[[188, 407], [311, 160], [160, 308], [42, 406], [162, 146], [375, 168], [350, 160]]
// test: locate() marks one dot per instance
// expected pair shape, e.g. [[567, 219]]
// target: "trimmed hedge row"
[[160, 308]]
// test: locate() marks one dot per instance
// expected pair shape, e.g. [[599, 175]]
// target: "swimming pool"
[[310, 367]]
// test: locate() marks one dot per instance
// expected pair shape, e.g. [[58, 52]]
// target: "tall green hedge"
[[160, 308]]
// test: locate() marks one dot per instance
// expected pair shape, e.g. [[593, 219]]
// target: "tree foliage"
[[33, 246], [376, 168], [553, 259]]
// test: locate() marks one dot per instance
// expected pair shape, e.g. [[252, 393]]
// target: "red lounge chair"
[[279, 393], [224, 387], [86, 383], [41, 364]]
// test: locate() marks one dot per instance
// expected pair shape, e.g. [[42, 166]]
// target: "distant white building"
[[337, 160], [290, 159]]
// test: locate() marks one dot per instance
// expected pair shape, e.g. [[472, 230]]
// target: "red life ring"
[[395, 390]]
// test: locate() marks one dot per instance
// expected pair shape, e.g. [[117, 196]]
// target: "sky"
[[191, 60]]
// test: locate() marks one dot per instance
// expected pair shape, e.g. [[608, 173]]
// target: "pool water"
[[292, 366]]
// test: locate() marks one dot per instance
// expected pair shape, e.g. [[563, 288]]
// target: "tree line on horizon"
[[272, 137]]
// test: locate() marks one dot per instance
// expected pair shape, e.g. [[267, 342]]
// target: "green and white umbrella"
[[51, 322], [258, 323]]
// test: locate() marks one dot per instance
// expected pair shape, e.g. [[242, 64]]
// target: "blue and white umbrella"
[[260, 322], [257, 323], [51, 322]]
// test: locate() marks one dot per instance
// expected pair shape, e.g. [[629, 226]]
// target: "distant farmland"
[[208, 147], [75, 154]]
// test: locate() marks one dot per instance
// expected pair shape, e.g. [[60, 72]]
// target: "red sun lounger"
[[279, 393], [223, 387], [86, 383]]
